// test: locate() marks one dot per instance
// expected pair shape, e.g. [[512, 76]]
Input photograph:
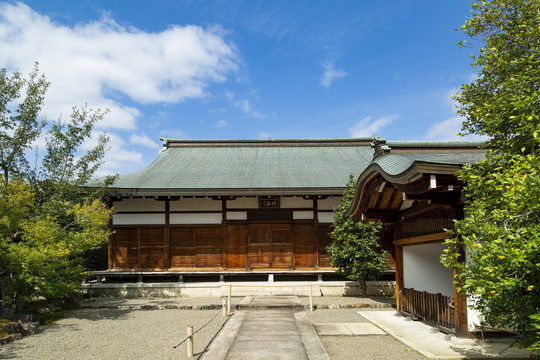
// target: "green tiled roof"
[[395, 164], [242, 167]]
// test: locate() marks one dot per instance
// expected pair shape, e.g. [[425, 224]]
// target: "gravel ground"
[[117, 334], [367, 347], [335, 316], [97, 332], [359, 347]]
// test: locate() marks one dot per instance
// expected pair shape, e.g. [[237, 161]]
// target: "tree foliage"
[[501, 231], [355, 249], [48, 222]]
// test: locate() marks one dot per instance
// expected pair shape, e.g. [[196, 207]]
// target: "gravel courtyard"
[[101, 333]]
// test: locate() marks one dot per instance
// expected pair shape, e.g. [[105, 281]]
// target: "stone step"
[[270, 303]]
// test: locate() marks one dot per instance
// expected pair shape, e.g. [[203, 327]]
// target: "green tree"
[[355, 250], [501, 231], [48, 221]]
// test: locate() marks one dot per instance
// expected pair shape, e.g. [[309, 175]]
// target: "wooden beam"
[[373, 200], [370, 190], [386, 196], [423, 239], [448, 197], [386, 217], [397, 200], [418, 187]]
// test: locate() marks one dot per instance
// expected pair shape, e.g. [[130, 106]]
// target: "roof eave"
[[134, 192]]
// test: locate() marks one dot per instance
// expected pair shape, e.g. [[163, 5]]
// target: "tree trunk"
[[363, 289]]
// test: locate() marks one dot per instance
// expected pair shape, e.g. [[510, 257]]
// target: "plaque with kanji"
[[269, 203]]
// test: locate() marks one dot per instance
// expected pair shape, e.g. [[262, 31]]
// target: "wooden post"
[[224, 306], [438, 307], [310, 297], [229, 299], [399, 277], [190, 341]]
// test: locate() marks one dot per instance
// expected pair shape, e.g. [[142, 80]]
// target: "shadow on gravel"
[[199, 355], [99, 314]]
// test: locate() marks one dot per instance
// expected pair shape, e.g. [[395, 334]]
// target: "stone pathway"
[[433, 344], [268, 328]]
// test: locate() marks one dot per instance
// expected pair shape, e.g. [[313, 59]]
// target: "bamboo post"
[[310, 297], [229, 299], [190, 341], [224, 307]]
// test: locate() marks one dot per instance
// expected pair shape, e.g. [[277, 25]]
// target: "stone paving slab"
[[358, 329], [347, 329], [280, 334], [330, 329], [435, 345]]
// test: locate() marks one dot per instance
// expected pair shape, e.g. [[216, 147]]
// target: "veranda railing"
[[429, 307]]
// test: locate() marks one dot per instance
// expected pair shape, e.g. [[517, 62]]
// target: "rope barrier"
[[196, 331]]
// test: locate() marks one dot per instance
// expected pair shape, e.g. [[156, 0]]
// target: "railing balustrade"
[[429, 307]]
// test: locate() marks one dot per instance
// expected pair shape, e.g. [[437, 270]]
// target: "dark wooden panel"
[[324, 240], [182, 247], [209, 244], [259, 234], [236, 249], [260, 242], [124, 243], [281, 250], [281, 256], [305, 245], [152, 248], [259, 257]]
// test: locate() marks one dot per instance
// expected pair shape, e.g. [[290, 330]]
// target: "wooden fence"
[[429, 307]]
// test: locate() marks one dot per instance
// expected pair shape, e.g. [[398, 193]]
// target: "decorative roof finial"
[[380, 147]]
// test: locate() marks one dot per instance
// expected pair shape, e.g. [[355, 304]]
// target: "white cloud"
[[143, 140], [245, 105], [368, 127], [221, 124], [448, 130], [173, 134], [445, 130], [118, 159], [102, 61], [264, 135], [330, 74]]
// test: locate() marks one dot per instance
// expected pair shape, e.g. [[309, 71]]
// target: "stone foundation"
[[167, 290]]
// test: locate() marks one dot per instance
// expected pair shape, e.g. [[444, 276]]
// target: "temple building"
[[233, 208], [233, 205]]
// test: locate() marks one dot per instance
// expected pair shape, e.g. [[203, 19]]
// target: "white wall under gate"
[[423, 271]]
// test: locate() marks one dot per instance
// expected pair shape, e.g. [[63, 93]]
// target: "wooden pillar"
[[460, 303], [399, 276], [110, 262]]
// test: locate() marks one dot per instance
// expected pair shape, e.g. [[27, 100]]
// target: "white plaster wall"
[[213, 218], [195, 204], [302, 215], [423, 271], [138, 205], [325, 217], [138, 219], [473, 316], [292, 202], [328, 204], [243, 203], [237, 215]]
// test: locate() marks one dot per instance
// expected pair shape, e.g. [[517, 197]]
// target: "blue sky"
[[244, 69]]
